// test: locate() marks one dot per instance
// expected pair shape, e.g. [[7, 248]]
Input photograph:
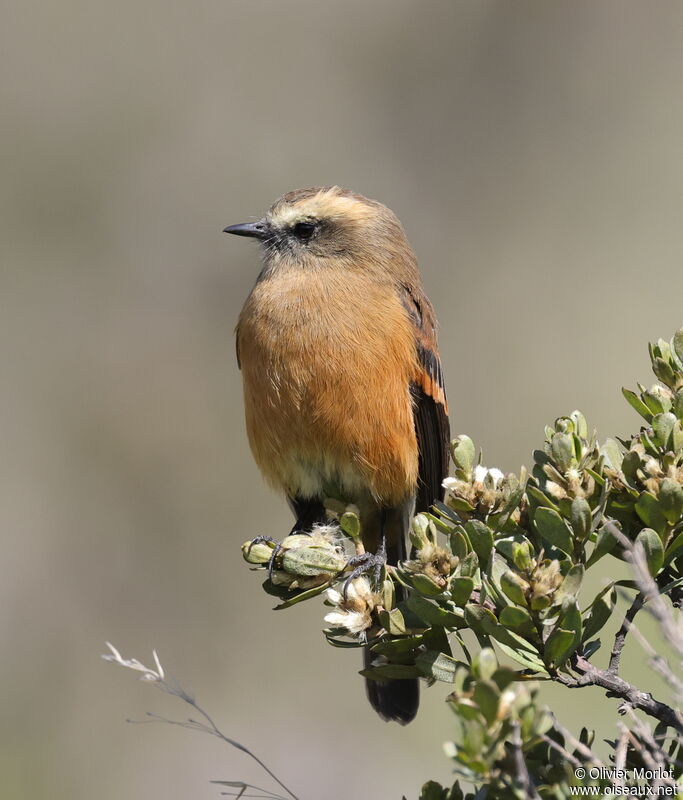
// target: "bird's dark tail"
[[393, 700]]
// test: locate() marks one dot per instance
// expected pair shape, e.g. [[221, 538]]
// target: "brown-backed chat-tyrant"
[[343, 389]]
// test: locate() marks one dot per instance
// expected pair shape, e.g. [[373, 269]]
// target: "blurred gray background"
[[534, 152]]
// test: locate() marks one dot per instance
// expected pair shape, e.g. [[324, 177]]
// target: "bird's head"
[[312, 228]]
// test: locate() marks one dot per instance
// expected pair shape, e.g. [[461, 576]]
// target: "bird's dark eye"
[[304, 230]]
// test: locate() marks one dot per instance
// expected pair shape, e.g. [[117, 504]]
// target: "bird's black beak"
[[257, 230]]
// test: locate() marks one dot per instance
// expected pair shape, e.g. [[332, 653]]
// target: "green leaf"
[[674, 548], [677, 406], [662, 369], [604, 543], [439, 524], [397, 647], [649, 511], [469, 565], [662, 426], [504, 676], [457, 504], [630, 465], [312, 561], [677, 437], [458, 544], [461, 589], [527, 660], [613, 454], [438, 666], [671, 500], [483, 621], [299, 597], [654, 551], [571, 584], [671, 586], [466, 709], [562, 449], [566, 637], [658, 400], [637, 404], [479, 618], [350, 524], [393, 622], [553, 529], [518, 619], [559, 646], [424, 584], [487, 696], [514, 587], [600, 612], [481, 538], [331, 637], [433, 614], [581, 517], [590, 648], [541, 499], [433, 791], [485, 663], [570, 617], [521, 554], [464, 455], [447, 512], [677, 346], [511, 504], [580, 424]]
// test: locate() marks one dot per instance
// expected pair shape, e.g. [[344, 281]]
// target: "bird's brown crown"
[[331, 222], [323, 203]]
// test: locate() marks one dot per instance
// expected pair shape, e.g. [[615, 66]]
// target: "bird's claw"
[[276, 551], [364, 563]]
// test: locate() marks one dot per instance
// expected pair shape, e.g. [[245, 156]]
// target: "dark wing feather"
[[308, 512], [430, 409]]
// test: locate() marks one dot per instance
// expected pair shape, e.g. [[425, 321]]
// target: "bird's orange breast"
[[327, 361]]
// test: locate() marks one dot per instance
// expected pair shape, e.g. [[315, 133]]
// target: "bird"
[[343, 387]]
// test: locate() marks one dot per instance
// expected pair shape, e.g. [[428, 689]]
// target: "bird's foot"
[[364, 563], [276, 551]]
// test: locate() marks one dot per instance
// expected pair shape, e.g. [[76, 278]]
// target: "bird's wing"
[[308, 512], [430, 409]]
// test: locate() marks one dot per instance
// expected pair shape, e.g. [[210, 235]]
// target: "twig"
[[561, 750], [586, 752], [672, 629], [621, 750], [656, 759], [522, 773], [590, 675], [158, 678], [620, 638], [658, 663]]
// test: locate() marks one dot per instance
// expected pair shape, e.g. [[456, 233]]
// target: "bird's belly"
[[327, 396], [305, 427]]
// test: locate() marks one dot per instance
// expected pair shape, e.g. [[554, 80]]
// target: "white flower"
[[494, 475], [355, 611], [333, 596], [450, 483], [555, 490], [355, 622], [132, 663]]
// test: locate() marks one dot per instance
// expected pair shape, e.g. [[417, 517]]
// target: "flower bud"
[[258, 552], [521, 555], [307, 561], [514, 586], [464, 454]]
